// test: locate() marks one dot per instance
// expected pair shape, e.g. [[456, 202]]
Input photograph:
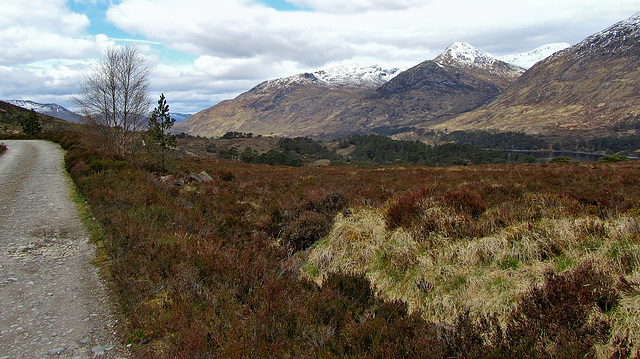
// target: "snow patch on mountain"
[[352, 75], [527, 59], [615, 39], [356, 75], [284, 82], [179, 117], [49, 109], [461, 53]]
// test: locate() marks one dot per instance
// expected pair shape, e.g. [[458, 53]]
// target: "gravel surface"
[[52, 302]]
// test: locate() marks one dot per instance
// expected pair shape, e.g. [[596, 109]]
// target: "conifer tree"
[[32, 125], [160, 140]]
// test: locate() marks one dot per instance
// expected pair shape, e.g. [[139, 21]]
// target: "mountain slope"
[[461, 79], [11, 117], [592, 87], [50, 109], [296, 105], [361, 99]]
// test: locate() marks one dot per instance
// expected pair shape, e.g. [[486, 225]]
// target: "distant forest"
[[373, 150], [454, 148]]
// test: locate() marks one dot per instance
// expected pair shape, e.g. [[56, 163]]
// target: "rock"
[[99, 350], [198, 177], [57, 351], [205, 176]]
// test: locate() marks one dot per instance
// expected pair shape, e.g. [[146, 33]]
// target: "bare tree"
[[114, 97]]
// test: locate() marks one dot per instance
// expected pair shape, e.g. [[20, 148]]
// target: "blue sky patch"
[[280, 5], [99, 24]]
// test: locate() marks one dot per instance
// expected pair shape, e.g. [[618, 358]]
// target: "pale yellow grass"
[[440, 277]]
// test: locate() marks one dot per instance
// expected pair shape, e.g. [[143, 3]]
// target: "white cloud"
[[237, 44], [244, 30], [32, 30], [353, 6], [47, 81]]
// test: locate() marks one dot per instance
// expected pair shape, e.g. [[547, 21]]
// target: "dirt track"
[[52, 303]]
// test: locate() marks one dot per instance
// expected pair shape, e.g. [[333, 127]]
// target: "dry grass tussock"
[[443, 261]]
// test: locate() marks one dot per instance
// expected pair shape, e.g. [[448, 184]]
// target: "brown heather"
[[466, 262]]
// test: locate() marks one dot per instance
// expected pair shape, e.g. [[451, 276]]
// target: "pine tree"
[[160, 122], [32, 125]]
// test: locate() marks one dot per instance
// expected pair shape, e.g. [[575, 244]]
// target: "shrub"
[[555, 320], [466, 201], [613, 158], [329, 204], [305, 230], [226, 176], [199, 273], [403, 211], [356, 288], [99, 164]]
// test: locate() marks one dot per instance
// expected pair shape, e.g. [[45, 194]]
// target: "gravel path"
[[52, 303]]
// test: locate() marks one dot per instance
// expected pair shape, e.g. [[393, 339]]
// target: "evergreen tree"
[[160, 122], [32, 125]]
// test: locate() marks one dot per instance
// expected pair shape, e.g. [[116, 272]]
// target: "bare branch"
[[114, 97]]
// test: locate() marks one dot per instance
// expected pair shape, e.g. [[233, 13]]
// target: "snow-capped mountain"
[[616, 39], [585, 87], [353, 75], [49, 109], [361, 98], [589, 89], [356, 75], [293, 106], [461, 53], [527, 59]]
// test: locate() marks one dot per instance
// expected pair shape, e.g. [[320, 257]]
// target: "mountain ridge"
[[526, 60], [588, 89], [359, 98], [49, 109]]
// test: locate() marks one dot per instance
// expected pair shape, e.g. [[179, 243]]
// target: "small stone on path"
[[57, 351]]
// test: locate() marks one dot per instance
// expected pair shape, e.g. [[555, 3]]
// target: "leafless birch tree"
[[114, 98]]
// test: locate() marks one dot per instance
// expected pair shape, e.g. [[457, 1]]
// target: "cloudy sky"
[[205, 51]]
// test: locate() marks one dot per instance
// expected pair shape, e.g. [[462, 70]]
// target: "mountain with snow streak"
[[463, 54], [527, 59], [615, 40], [589, 89], [345, 76], [459, 80], [361, 98], [293, 106], [356, 75], [49, 109]]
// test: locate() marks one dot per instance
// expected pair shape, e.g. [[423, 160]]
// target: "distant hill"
[[293, 106], [179, 117], [50, 109], [11, 117], [589, 89], [361, 98], [460, 79]]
